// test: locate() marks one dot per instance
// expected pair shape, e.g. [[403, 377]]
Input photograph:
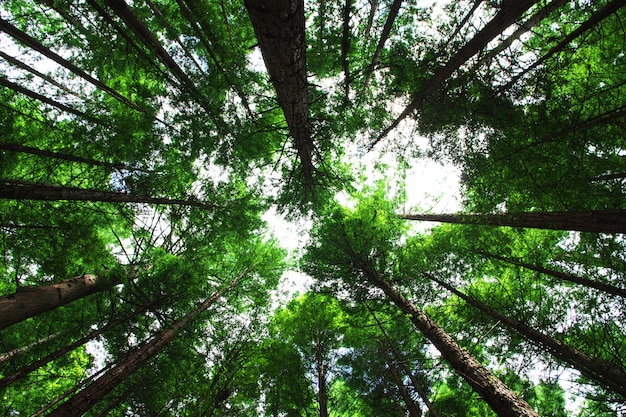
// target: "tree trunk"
[[610, 289], [596, 18], [510, 12], [402, 361], [96, 391], [411, 407], [503, 401], [464, 21], [279, 26], [29, 41], [22, 190], [523, 28], [31, 301], [20, 351], [603, 372], [321, 379], [594, 221], [14, 147], [345, 50], [22, 90], [24, 371], [391, 17]]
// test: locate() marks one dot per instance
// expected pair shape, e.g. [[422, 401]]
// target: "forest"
[[152, 152]]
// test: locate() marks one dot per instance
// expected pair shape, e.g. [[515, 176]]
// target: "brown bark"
[[18, 88], [601, 371], [464, 21], [503, 401], [31, 301], [391, 17], [609, 289], [321, 378], [96, 391], [14, 147], [25, 370], [411, 407], [345, 49], [279, 26], [510, 12], [22, 190], [31, 42], [20, 351], [596, 18], [594, 221], [523, 28]]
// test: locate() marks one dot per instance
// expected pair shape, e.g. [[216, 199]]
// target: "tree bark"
[[464, 21], [22, 190], [31, 301], [31, 42], [411, 407], [14, 147], [20, 351], [279, 26], [503, 401], [24, 371], [510, 12], [601, 371], [96, 391], [596, 18], [321, 378], [594, 221], [391, 17], [609, 289]]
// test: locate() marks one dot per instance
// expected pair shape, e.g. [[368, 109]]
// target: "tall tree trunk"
[[595, 221], [31, 42], [523, 28], [510, 12], [411, 407], [22, 90], [345, 50], [279, 26], [596, 18], [321, 378], [20, 351], [464, 21], [610, 289], [24, 371], [14, 147], [601, 371], [503, 401], [22, 190], [96, 391], [402, 361], [391, 17], [31, 301]]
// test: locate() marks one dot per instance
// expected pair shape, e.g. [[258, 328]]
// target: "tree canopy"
[[152, 150]]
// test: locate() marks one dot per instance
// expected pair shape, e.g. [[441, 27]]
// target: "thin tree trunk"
[[391, 17], [609, 289], [370, 18], [595, 221], [14, 147], [503, 401], [24, 371], [510, 12], [523, 28], [96, 391], [31, 42], [31, 301], [402, 361], [321, 379], [596, 18], [465, 20], [279, 26], [22, 190], [411, 407], [603, 372], [20, 351], [18, 88], [345, 50]]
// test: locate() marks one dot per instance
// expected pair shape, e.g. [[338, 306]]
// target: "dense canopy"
[[150, 151]]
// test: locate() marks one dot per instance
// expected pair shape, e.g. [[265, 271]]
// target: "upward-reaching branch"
[[391, 17], [509, 14]]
